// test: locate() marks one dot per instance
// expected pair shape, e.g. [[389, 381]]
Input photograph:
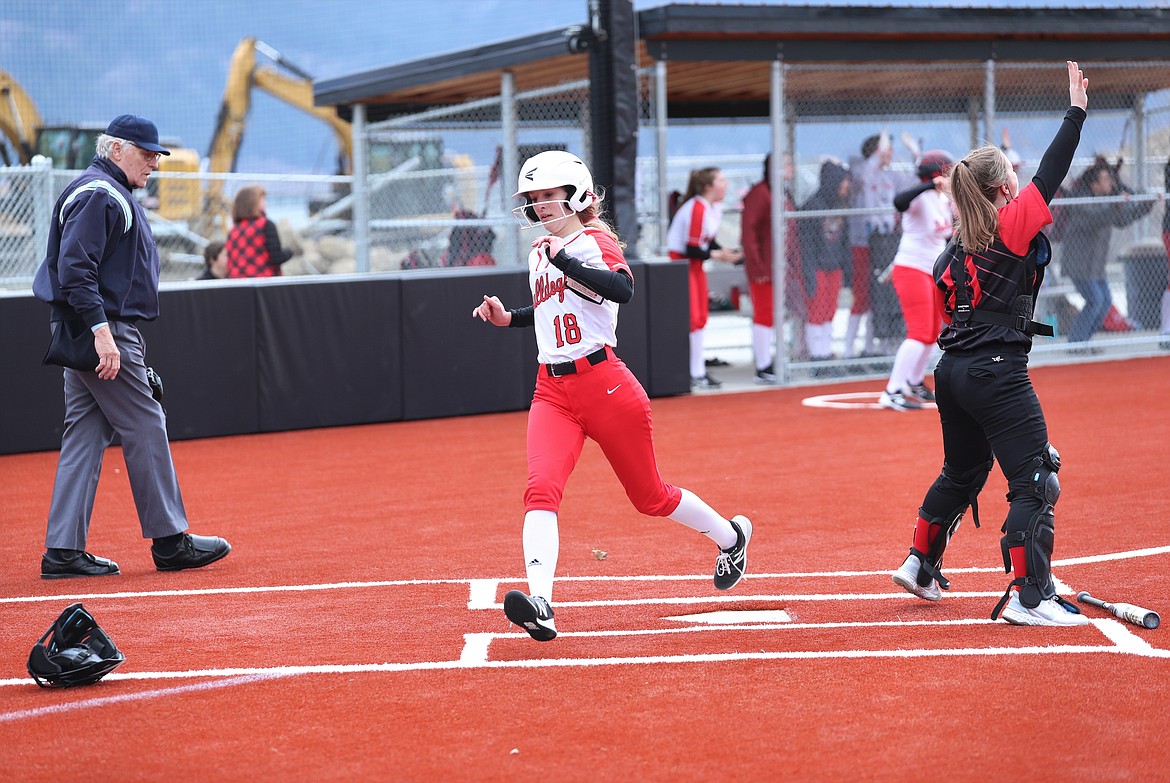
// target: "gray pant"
[[94, 411]]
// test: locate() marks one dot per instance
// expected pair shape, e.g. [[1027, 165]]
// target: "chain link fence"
[[439, 183]]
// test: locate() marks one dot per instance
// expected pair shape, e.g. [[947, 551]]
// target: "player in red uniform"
[[578, 277]]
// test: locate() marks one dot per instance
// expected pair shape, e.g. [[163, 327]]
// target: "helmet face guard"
[[74, 651], [526, 216]]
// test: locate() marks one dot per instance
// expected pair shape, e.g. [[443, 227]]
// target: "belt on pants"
[[584, 364]]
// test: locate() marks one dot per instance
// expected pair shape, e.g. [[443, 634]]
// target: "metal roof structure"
[[718, 56]]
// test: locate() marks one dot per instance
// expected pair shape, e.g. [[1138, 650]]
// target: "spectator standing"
[[253, 245], [927, 224], [579, 277], [824, 251], [101, 272], [874, 239], [1085, 249], [691, 237], [756, 241]]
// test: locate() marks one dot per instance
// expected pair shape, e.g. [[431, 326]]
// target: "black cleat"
[[532, 613], [732, 563]]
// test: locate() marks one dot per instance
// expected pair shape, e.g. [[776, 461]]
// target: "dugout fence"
[[434, 187]]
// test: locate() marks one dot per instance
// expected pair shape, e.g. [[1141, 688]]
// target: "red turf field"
[[355, 632]]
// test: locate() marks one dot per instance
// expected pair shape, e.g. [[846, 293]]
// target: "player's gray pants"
[[94, 411]]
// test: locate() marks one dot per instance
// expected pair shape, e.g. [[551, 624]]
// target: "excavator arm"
[[19, 120], [243, 77], [299, 94]]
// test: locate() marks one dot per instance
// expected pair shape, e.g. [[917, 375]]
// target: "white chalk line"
[[105, 701], [495, 581], [476, 645], [1116, 630]]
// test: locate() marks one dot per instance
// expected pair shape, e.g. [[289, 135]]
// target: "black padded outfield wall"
[[250, 356], [328, 354]]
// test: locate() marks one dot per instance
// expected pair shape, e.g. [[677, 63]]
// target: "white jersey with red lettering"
[[926, 227], [571, 320], [696, 223]]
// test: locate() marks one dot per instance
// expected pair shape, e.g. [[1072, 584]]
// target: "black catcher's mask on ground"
[[74, 651]]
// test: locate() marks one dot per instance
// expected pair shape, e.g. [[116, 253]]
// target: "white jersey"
[[874, 187], [696, 223], [926, 227], [572, 321]]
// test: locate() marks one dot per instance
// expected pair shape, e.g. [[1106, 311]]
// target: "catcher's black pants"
[[988, 407]]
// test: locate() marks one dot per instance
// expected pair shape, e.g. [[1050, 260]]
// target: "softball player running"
[[578, 277]]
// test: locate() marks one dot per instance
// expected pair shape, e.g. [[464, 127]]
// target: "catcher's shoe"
[[532, 613], [906, 578], [1049, 612], [732, 563]]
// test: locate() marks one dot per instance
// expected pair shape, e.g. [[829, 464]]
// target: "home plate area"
[[669, 619]]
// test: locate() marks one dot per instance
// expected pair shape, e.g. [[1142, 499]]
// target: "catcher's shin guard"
[[1035, 585], [939, 534], [959, 490]]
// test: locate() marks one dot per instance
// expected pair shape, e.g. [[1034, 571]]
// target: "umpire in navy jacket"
[[100, 276]]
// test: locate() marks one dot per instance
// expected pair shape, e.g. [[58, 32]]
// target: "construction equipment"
[[243, 76], [72, 147]]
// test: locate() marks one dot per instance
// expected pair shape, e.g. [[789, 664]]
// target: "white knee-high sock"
[[918, 371], [820, 340], [904, 361], [693, 512], [827, 339], [698, 367], [762, 345], [542, 544], [869, 343], [852, 326]]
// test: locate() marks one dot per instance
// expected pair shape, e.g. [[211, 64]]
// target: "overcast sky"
[[168, 59]]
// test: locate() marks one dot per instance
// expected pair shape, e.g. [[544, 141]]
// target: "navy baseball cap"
[[138, 130]]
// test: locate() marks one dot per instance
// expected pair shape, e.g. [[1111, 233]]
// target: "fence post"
[[663, 186], [780, 258], [43, 198], [509, 166], [361, 191], [989, 102]]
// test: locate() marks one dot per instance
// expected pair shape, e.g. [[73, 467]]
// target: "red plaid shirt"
[[247, 247]]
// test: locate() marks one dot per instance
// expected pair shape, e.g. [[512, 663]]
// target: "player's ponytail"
[[975, 181]]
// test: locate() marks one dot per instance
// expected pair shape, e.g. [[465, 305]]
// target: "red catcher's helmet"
[[934, 163]]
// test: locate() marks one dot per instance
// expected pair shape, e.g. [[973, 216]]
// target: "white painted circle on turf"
[[853, 400]]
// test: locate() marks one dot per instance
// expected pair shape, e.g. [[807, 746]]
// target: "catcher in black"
[[989, 275]]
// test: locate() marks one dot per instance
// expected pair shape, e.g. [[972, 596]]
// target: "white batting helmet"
[[554, 169]]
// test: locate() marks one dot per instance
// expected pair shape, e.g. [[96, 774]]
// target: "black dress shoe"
[[54, 566], [192, 552]]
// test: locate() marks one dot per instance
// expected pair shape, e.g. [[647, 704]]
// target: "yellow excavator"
[[295, 90], [72, 147], [179, 199]]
